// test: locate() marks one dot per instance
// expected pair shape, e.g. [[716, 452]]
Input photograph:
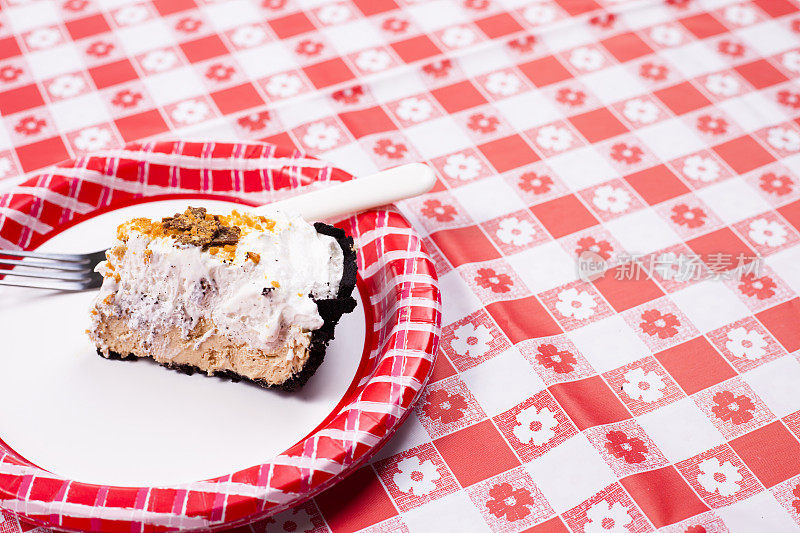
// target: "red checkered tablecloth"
[[656, 140]]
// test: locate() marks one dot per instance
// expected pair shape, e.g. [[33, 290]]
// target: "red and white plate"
[[90, 444]]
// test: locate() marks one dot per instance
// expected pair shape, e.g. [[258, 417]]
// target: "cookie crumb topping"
[[194, 226], [219, 235]]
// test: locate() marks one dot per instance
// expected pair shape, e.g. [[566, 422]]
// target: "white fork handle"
[[386, 187]]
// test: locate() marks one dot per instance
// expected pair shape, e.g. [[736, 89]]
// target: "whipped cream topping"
[[260, 296]]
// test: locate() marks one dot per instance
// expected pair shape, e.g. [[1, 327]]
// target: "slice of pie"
[[239, 296]]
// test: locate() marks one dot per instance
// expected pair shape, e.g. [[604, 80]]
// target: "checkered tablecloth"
[[659, 139]]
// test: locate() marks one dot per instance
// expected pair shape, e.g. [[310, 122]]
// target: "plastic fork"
[[75, 272]]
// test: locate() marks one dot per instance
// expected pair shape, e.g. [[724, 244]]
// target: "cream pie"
[[239, 296]]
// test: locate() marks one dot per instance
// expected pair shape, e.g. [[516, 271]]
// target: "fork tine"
[[64, 286], [48, 265], [60, 276], [70, 258]]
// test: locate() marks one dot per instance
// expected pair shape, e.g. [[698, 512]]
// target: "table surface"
[[659, 140]]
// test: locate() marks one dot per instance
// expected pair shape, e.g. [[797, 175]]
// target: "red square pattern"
[[441, 265], [197, 503], [554, 525], [626, 46], [223, 180], [190, 178], [442, 369], [113, 73], [43, 488], [285, 476], [458, 96], [498, 25], [578, 7], [760, 74], [20, 99], [535, 426], [122, 497], [373, 7], [476, 453], [682, 98], [416, 48], [90, 193], [86, 26], [282, 139], [623, 293], [771, 452], [141, 125], [723, 241], [743, 154], [237, 98], [589, 402], [358, 501], [49, 212], [656, 184], [782, 322], [564, 215], [664, 496], [168, 7], [159, 175], [9, 48], [465, 245], [776, 8], [204, 48], [42, 153], [523, 319], [14, 230], [508, 153], [81, 524], [161, 500], [545, 71], [695, 365], [328, 73], [85, 495], [598, 125], [291, 25], [367, 121], [791, 212], [703, 25]]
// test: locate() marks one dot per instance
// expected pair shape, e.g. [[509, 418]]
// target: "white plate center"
[[76, 414]]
